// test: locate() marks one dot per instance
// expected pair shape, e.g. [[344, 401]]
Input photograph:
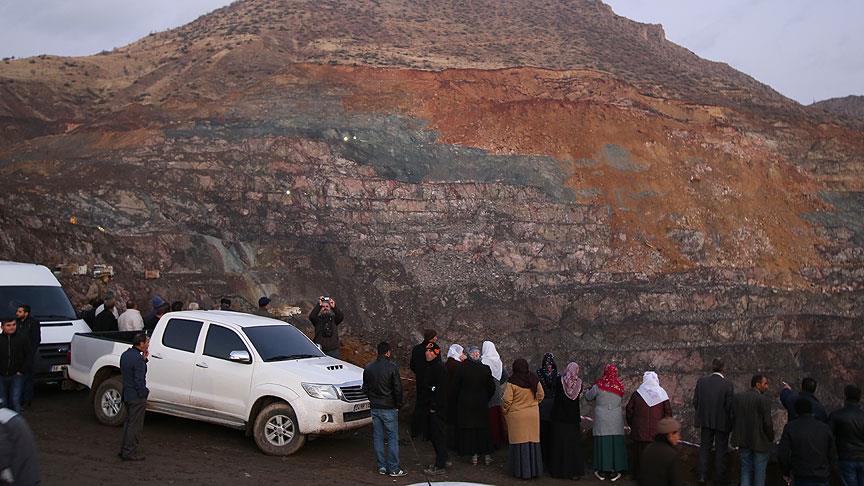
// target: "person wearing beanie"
[[263, 310], [660, 464], [807, 451]]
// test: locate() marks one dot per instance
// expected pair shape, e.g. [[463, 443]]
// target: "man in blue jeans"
[[847, 425], [383, 385], [753, 431], [14, 364]]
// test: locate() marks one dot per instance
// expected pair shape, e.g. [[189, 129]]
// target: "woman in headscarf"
[[646, 408], [521, 406], [474, 387], [455, 357], [565, 454], [610, 453], [548, 375], [497, 431]]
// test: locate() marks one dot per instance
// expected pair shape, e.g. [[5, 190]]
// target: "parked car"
[[35, 285], [253, 373]]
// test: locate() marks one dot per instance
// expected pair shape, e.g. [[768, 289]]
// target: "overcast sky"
[[808, 50]]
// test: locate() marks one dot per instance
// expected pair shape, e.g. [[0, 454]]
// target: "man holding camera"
[[325, 317]]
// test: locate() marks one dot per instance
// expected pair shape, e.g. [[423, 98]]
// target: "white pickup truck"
[[239, 370]]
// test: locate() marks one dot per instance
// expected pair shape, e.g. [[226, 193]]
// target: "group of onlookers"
[[470, 404]]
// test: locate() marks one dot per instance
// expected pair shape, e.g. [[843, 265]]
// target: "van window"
[[221, 341], [181, 334], [47, 303]]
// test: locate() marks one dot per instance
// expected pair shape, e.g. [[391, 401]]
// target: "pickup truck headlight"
[[324, 392]]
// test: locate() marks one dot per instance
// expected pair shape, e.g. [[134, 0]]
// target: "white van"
[[36, 286]]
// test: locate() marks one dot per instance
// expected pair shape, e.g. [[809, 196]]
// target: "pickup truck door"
[[172, 360], [220, 385]]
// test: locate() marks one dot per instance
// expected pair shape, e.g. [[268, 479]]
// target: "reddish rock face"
[[571, 210]]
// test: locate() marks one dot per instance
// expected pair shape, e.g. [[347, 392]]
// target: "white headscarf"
[[650, 389], [492, 359], [455, 352]]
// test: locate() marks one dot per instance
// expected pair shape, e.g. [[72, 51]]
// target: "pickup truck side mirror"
[[240, 357]]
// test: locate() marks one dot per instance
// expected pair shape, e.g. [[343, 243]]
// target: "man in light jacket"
[[130, 319]]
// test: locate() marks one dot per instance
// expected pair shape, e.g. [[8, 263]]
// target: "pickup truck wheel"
[[276, 430], [108, 402]]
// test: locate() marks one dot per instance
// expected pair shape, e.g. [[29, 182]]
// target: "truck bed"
[[114, 336]]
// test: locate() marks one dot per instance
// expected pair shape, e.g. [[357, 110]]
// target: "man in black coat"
[[788, 397], [807, 451], [418, 365], [753, 432], [383, 385], [14, 364], [660, 464], [133, 367], [474, 386], [32, 328], [712, 400], [325, 318], [434, 405], [19, 459], [847, 425], [106, 320]]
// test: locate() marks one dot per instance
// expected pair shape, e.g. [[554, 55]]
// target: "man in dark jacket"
[[434, 404], [106, 320], [30, 327], [807, 451], [383, 386], [418, 365], [153, 318], [847, 425], [14, 364], [19, 459], [325, 317], [788, 397], [660, 465], [133, 367], [712, 400], [753, 432]]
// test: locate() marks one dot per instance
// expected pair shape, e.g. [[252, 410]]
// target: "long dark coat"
[[474, 387]]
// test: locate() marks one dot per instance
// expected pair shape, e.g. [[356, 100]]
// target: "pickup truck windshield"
[[46, 303], [280, 343]]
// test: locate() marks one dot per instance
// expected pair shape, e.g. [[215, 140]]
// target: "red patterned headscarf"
[[609, 381]]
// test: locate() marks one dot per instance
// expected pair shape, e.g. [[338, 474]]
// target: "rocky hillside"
[[551, 177], [848, 106]]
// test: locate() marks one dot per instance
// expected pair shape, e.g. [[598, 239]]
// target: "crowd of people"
[[468, 404]]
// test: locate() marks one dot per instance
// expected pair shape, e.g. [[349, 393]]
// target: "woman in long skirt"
[[565, 455], [610, 450], [646, 408], [497, 431], [548, 375], [474, 387], [521, 405], [455, 357]]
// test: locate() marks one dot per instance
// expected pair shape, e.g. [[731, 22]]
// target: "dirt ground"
[[75, 449]]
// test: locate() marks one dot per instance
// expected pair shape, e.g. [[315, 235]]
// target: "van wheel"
[[108, 402], [276, 430]]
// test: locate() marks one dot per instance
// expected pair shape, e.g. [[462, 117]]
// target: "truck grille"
[[353, 393], [54, 352], [352, 416]]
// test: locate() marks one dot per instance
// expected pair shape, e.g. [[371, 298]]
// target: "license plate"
[[362, 406], [58, 368]]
